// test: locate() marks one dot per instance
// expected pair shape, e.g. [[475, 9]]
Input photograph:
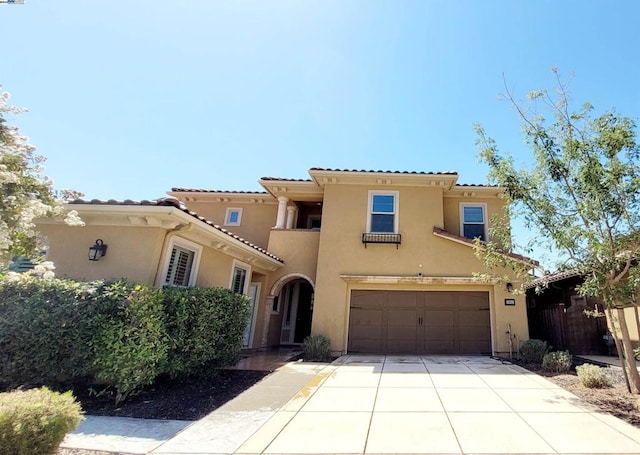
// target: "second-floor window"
[[233, 217], [383, 212], [473, 220]]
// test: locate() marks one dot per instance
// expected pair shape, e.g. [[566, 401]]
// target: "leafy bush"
[[592, 376], [35, 421], [316, 348], [129, 347], [532, 351], [205, 327], [557, 362], [45, 329]]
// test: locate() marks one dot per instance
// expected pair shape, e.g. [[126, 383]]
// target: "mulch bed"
[[184, 399]]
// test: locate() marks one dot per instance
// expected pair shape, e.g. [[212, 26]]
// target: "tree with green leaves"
[[25, 194], [581, 194]]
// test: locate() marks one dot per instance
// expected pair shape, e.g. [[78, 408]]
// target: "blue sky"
[[128, 99]]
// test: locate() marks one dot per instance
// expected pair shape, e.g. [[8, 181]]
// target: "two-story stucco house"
[[378, 261]]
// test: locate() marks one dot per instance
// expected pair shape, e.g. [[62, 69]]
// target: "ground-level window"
[[383, 212], [473, 220], [239, 278], [233, 217], [180, 266], [182, 263]]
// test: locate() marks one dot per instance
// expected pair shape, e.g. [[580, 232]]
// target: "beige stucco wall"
[[341, 252], [133, 252], [300, 248], [256, 223]]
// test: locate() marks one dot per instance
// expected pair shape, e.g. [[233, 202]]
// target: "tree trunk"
[[637, 315], [634, 376], [616, 339]]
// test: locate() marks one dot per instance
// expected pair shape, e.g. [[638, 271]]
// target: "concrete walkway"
[[407, 404]]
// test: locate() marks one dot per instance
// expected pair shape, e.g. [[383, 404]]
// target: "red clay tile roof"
[[201, 190], [442, 233], [552, 278], [384, 172], [280, 179], [173, 202], [478, 184]]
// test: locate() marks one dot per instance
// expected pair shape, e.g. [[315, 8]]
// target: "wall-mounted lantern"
[[97, 251], [509, 287]]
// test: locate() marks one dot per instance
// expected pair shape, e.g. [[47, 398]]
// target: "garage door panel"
[[439, 318], [439, 346], [439, 333], [425, 322], [474, 347], [473, 318], [402, 317], [402, 299]]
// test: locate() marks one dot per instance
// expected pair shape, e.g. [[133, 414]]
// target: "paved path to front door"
[[407, 404]]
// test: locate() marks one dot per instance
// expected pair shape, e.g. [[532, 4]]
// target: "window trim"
[[186, 245], [227, 216], [396, 209], [247, 279], [485, 218]]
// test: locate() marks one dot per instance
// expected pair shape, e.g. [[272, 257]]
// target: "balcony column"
[[291, 216], [282, 208]]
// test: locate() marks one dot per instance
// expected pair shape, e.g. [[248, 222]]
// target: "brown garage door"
[[411, 322]]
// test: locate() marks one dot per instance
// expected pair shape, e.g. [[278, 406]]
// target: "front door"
[[298, 312], [254, 292]]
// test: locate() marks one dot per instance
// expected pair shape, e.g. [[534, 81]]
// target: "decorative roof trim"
[[362, 171], [413, 279], [200, 190], [439, 232], [175, 203]]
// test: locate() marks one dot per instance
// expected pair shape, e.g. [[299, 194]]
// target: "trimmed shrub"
[[45, 329], [557, 361], [592, 376], [129, 348], [205, 327], [316, 348], [35, 421], [532, 351]]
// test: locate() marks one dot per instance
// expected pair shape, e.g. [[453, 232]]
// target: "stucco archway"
[[288, 310]]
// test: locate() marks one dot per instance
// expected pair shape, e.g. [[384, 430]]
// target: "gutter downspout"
[[165, 243]]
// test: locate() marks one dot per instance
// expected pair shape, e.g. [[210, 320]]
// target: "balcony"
[[297, 247], [394, 239]]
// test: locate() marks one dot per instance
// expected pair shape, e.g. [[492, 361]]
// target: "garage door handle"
[[419, 320]]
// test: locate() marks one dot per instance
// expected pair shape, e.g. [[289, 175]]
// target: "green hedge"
[[35, 421], [45, 330], [205, 327], [116, 333], [129, 346]]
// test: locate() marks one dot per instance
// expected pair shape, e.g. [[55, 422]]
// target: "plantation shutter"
[[239, 277], [179, 270]]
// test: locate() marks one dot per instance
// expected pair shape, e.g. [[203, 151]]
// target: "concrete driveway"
[[403, 404], [367, 404]]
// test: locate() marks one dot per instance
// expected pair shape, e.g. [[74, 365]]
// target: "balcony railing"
[[394, 239]]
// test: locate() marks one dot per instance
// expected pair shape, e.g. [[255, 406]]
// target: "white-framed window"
[[382, 216], [473, 220], [181, 263], [233, 217], [240, 278]]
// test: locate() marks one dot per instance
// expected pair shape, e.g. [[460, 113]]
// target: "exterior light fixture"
[[97, 251], [509, 287]]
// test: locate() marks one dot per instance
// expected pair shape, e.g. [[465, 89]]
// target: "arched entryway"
[[297, 311], [292, 313]]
